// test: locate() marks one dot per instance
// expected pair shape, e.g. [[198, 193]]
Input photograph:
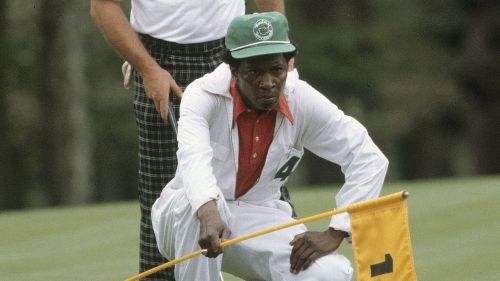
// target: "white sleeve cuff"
[[195, 205], [343, 222]]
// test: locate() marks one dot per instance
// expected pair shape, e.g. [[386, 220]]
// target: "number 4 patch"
[[287, 169]]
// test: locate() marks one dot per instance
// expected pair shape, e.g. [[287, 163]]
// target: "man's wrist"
[[207, 208], [345, 233]]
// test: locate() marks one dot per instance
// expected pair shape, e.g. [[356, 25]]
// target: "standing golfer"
[[169, 43], [242, 132]]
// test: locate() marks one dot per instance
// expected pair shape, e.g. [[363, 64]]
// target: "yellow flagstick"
[[163, 266], [385, 199]]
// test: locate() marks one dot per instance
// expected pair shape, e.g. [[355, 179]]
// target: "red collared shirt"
[[256, 134]]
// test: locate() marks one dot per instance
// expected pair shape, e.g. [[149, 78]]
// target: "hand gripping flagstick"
[[388, 199]]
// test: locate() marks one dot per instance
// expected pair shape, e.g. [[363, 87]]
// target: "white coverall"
[[207, 156]]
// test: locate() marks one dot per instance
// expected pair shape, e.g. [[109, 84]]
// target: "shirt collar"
[[240, 106]]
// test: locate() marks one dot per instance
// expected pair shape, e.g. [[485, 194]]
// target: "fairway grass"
[[454, 228]]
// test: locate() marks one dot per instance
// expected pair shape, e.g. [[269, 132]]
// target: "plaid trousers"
[[157, 143]]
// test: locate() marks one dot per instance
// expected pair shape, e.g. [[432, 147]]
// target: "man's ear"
[[234, 73]]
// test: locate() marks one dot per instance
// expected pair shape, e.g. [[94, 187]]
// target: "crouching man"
[[242, 132]]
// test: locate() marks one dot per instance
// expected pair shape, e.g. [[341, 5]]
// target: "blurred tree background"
[[423, 76]]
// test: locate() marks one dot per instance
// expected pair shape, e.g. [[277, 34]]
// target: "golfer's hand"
[[213, 230], [157, 84], [312, 245]]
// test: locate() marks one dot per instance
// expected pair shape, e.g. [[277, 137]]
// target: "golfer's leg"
[[333, 267], [164, 224], [267, 257], [187, 234], [157, 164]]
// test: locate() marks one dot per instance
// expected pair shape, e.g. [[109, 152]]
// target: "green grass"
[[454, 226]]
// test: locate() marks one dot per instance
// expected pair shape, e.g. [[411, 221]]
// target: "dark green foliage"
[[421, 75]]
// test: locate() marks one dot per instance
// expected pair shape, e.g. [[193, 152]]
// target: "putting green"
[[454, 225]]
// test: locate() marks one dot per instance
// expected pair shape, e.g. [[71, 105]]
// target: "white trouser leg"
[[267, 257], [177, 233]]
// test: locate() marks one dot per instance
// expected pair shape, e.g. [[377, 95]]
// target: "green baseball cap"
[[258, 34]]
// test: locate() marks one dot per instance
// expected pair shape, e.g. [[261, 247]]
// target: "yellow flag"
[[381, 239]]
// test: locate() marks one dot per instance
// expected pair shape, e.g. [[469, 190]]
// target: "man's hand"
[[213, 230], [157, 84], [116, 28], [312, 245]]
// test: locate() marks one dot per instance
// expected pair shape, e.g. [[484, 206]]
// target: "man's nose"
[[267, 81]]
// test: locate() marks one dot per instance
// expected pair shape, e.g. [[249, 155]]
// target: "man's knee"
[[332, 267]]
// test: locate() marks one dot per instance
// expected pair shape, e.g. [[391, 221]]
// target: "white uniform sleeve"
[[341, 139], [195, 152]]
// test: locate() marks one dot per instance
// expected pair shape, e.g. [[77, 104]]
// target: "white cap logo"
[[263, 30]]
